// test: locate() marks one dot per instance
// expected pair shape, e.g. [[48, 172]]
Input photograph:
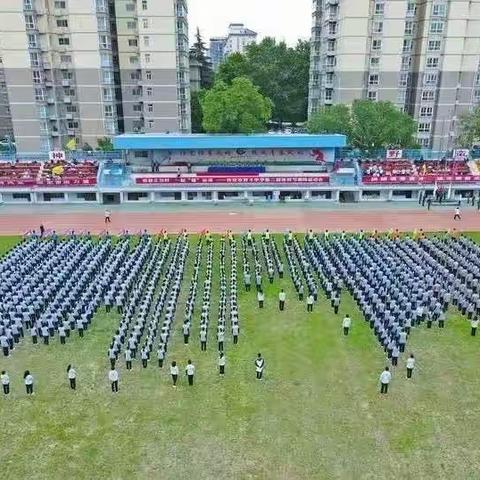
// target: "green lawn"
[[317, 414]]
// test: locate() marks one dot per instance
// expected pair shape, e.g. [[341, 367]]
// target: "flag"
[[449, 195], [435, 190], [71, 144]]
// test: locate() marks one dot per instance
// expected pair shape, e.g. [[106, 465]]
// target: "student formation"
[[52, 286]]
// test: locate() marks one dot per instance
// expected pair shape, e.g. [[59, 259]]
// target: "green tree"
[[334, 119], [280, 72], [105, 144], [199, 53], [469, 128], [235, 108], [197, 113]]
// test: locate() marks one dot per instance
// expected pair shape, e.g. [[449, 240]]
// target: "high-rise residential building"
[[6, 129], [424, 56], [236, 41], [89, 69]]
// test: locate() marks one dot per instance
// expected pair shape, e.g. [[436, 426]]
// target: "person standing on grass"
[[128, 359], [72, 377], [259, 366], [410, 365], [4, 344], [144, 357], [385, 378], [107, 216], [186, 332], [174, 373], [474, 325], [203, 339], [161, 355], [346, 324], [281, 300], [235, 332], [310, 301], [190, 371], [28, 380], [457, 215], [221, 363], [247, 280], [336, 303], [260, 298], [34, 334], [62, 334], [5, 379], [113, 377], [301, 292], [395, 354]]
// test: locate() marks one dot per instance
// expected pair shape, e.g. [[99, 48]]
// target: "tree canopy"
[[196, 109], [235, 108], [368, 125], [469, 127], [105, 144], [280, 72], [198, 51]]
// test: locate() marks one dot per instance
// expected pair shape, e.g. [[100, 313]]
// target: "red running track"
[[277, 220]]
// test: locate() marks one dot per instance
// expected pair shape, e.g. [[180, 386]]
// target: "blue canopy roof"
[[156, 141]]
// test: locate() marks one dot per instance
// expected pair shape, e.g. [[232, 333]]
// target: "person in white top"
[[457, 215], [259, 366], [113, 377], [410, 365], [310, 301], [474, 325], [174, 373], [221, 363], [72, 377], [190, 371], [28, 379], [281, 300], [5, 382], [385, 378], [107, 216], [260, 298], [347, 323]]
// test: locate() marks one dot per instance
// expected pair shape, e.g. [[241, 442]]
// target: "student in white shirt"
[[259, 366], [221, 363], [28, 379], [457, 215], [474, 325], [128, 359], [235, 332], [174, 373], [203, 340], [72, 377], [113, 377], [260, 298], [347, 323], [410, 365], [385, 378], [310, 301], [281, 300], [5, 382], [190, 371], [107, 216]]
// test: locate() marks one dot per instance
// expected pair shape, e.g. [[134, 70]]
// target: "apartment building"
[[422, 55], [64, 61]]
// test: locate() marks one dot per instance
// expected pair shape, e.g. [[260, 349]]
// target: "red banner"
[[67, 182], [233, 179], [16, 183], [420, 179]]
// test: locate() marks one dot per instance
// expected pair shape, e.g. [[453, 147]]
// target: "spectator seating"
[[69, 173], [19, 174]]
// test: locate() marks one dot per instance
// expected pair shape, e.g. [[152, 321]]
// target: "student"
[[107, 216], [259, 366], [174, 373], [186, 332], [203, 340], [395, 355], [5, 345], [410, 365], [28, 380], [247, 280], [301, 293], [220, 339], [34, 334], [113, 377], [457, 215], [144, 356], [161, 356], [5, 379], [221, 363], [310, 301], [190, 371], [335, 304], [72, 377], [281, 300], [235, 332], [62, 334], [128, 359], [260, 298], [474, 325], [385, 378], [347, 323]]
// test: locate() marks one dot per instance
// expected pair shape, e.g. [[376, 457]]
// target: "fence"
[[73, 156]]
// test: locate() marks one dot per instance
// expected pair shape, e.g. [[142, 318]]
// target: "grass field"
[[317, 414]]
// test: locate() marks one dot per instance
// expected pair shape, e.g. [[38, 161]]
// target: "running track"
[[277, 220]]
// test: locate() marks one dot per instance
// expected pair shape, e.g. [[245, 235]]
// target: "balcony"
[[65, 83], [69, 116], [47, 65], [55, 133], [51, 101], [67, 99], [48, 83], [71, 132]]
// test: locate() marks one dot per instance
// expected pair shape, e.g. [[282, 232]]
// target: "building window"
[[62, 23], [71, 109], [64, 41], [130, 7], [376, 44], [145, 22], [37, 76], [146, 41], [148, 58], [102, 24], [332, 28], [148, 75], [426, 111], [428, 95], [150, 123], [66, 58], [150, 108], [437, 27], [135, 75], [424, 142], [39, 94], [379, 8], [34, 59], [110, 127], [403, 80], [406, 62], [136, 92], [107, 76], [67, 75], [108, 110], [434, 45], [372, 96], [431, 78], [131, 25], [149, 91], [137, 108], [373, 79], [72, 125], [432, 62], [409, 27], [107, 94], [328, 94], [402, 96], [29, 21], [407, 45], [331, 44], [329, 78], [374, 61], [476, 94], [60, 4], [104, 42], [377, 27], [424, 127], [27, 4], [133, 60], [32, 40], [439, 10], [411, 8], [144, 5], [132, 42]]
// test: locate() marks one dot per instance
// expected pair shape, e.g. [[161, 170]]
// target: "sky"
[[283, 19]]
